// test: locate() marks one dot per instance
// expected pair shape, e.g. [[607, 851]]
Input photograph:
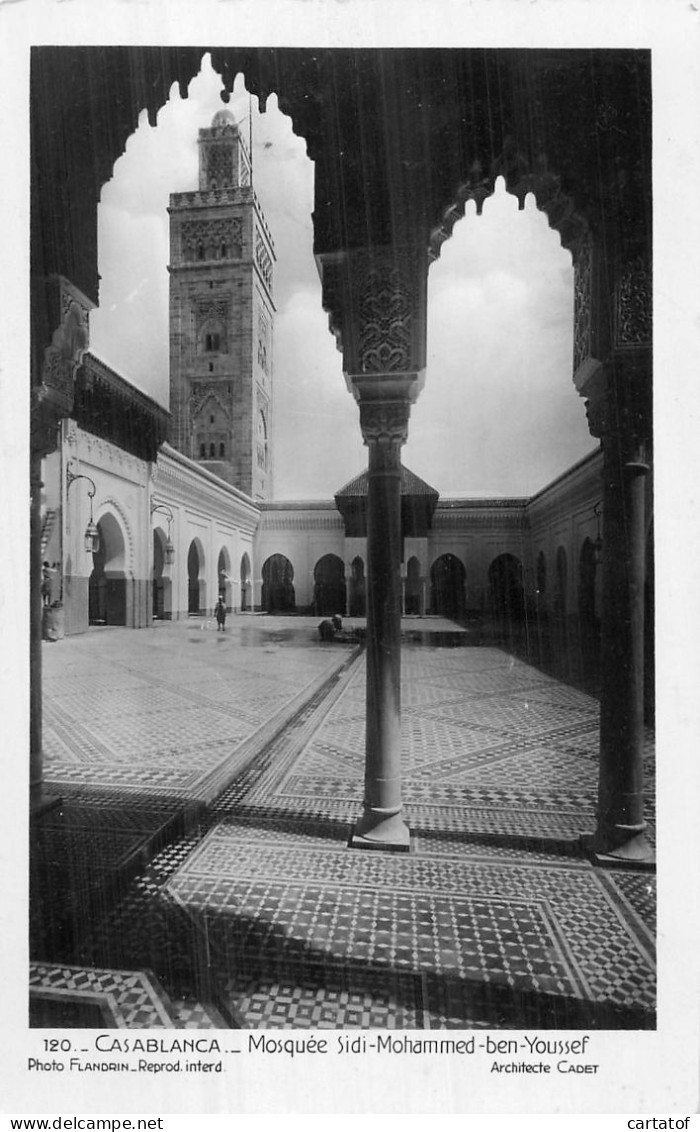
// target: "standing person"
[[46, 586], [220, 614]]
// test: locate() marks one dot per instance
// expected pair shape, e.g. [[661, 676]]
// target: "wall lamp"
[[168, 549], [92, 535], [598, 544]]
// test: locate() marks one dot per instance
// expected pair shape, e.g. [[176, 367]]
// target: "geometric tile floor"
[[163, 708], [494, 919], [126, 998], [63, 996]]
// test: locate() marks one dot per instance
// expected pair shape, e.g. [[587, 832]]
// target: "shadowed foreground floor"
[[197, 874]]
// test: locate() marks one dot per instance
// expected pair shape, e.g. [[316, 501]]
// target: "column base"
[[41, 803], [634, 853], [381, 831]]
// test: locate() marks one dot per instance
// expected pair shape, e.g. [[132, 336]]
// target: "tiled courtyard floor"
[[210, 783]]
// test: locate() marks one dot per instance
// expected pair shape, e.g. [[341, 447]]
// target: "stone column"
[[619, 408], [423, 598], [376, 298], [384, 427], [621, 827]]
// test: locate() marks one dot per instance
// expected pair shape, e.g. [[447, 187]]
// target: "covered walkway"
[[197, 872]]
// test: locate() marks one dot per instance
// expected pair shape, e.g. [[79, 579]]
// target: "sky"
[[498, 414]]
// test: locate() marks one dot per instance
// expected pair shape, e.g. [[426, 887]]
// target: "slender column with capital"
[[384, 427], [376, 297], [620, 832], [613, 372]]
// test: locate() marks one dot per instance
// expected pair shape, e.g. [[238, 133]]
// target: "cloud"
[[498, 411]]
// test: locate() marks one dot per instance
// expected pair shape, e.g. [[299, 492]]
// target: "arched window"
[[202, 450], [212, 341], [212, 450], [222, 450], [200, 251]]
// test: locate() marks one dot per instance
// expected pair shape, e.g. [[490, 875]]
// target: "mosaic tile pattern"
[[133, 999], [169, 715], [260, 916], [515, 747], [340, 1000], [539, 931]]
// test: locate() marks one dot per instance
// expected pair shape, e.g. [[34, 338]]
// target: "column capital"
[[613, 334], [619, 401], [385, 423], [52, 394]]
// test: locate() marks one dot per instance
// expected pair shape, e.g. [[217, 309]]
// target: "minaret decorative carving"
[[222, 315]]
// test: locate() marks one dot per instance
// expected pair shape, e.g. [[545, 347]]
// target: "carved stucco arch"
[[563, 216], [521, 179], [112, 506]]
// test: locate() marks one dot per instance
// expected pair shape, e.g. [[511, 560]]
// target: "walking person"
[[220, 614]]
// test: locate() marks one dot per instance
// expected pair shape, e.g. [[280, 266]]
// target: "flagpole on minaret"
[[250, 133]]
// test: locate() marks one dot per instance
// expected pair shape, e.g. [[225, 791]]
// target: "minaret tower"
[[222, 315]]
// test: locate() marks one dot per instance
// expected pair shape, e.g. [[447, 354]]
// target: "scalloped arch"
[[113, 506], [520, 180]]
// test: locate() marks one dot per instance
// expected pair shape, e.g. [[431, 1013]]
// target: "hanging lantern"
[[92, 538], [168, 548]]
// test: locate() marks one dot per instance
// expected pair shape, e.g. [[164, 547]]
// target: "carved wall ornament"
[[218, 308], [104, 454], [633, 305], [263, 343], [68, 345], [201, 392], [115, 506], [261, 439], [230, 195], [583, 302], [53, 398], [523, 176], [387, 296], [263, 260], [205, 239], [220, 165], [212, 317]]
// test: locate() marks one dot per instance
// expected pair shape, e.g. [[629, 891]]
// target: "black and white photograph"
[[346, 627]]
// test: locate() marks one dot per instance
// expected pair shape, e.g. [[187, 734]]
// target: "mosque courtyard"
[[195, 870]]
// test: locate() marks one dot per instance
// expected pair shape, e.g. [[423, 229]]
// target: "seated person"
[[326, 630]]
